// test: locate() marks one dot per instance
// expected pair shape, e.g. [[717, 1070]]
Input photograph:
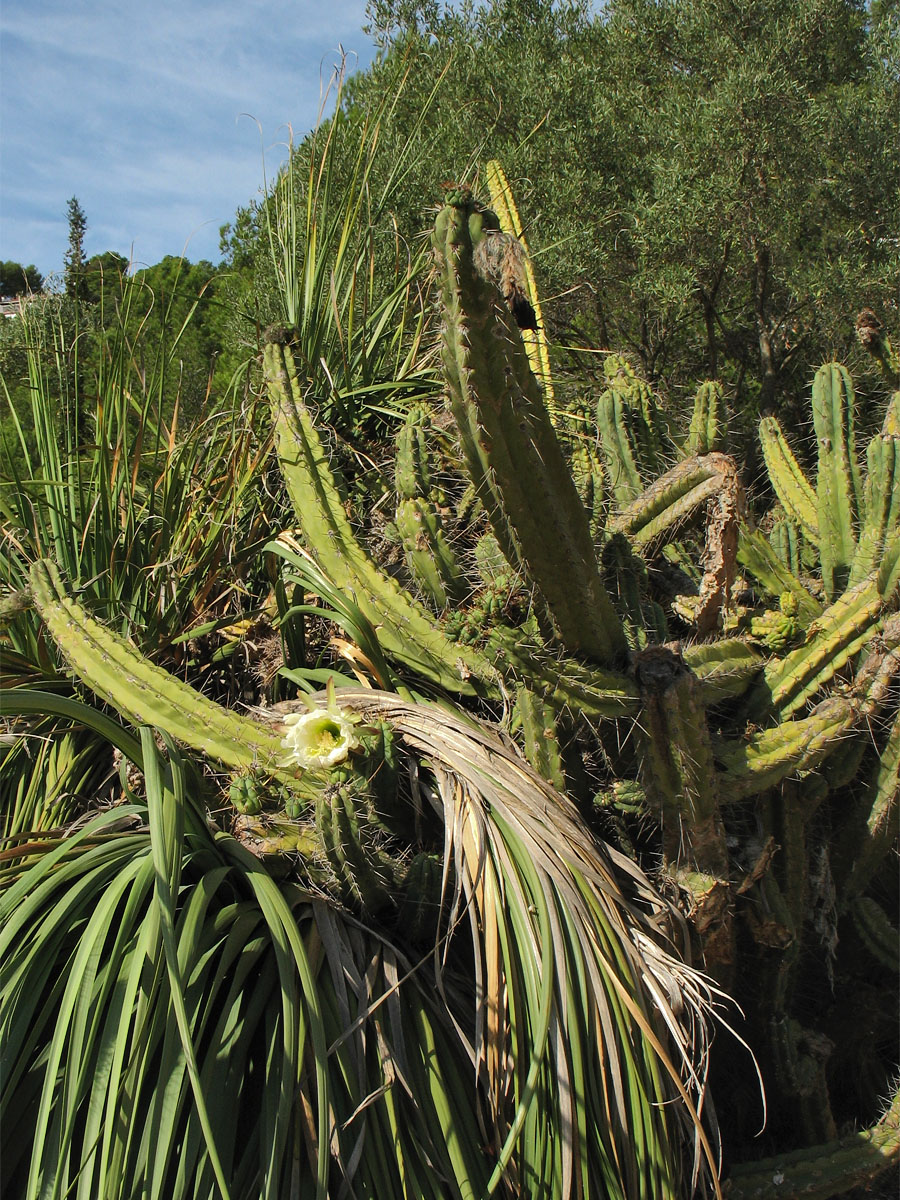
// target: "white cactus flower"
[[322, 738]]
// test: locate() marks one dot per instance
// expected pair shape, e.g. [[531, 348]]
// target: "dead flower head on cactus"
[[321, 738]]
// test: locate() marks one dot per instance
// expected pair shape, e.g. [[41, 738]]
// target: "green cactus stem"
[[871, 830], [587, 466], [882, 504], [757, 556], [538, 725], [626, 576], [708, 420], [673, 499], [405, 628], [709, 485], [765, 758], [412, 463], [419, 906], [831, 641], [837, 481], [792, 488], [347, 838], [566, 685], [724, 668], [821, 1172], [12, 604], [116, 672], [677, 762], [510, 446], [876, 931], [430, 559], [628, 424]]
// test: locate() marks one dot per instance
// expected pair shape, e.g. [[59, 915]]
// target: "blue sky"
[[136, 107]]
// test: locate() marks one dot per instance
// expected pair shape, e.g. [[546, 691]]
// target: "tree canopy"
[[710, 187], [16, 280]]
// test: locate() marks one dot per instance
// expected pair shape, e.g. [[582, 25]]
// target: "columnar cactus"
[[429, 556], [512, 451]]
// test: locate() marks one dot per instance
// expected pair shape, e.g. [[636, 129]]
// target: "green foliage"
[[16, 280]]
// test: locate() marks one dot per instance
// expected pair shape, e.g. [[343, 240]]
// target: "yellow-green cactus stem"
[[724, 668], [763, 759], [587, 466], [824, 1171], [882, 504], [626, 577], [831, 641], [791, 486], [677, 768], [511, 448], [146, 694], [535, 340], [348, 841], [757, 556], [428, 554], [673, 499], [405, 628], [629, 427]]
